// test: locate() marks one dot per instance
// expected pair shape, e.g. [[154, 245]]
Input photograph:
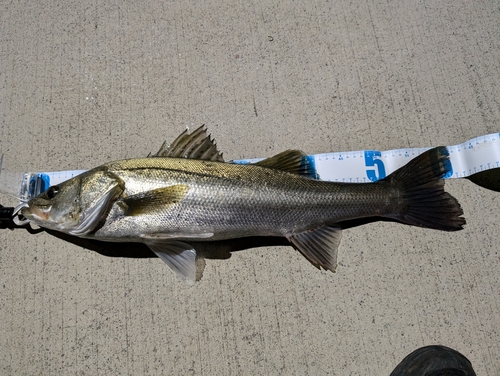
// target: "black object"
[[434, 360], [6, 213]]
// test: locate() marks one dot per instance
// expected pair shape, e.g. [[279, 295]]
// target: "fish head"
[[77, 205], [57, 208]]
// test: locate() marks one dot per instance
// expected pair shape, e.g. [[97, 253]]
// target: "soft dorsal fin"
[[196, 145], [293, 161], [319, 245]]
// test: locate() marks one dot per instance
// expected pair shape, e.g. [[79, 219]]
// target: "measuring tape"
[[364, 166]]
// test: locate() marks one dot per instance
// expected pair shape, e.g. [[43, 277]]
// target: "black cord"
[[6, 213]]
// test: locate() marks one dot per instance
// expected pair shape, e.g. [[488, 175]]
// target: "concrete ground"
[[85, 82]]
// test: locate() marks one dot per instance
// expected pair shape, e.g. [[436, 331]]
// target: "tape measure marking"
[[476, 155], [365, 166], [362, 166]]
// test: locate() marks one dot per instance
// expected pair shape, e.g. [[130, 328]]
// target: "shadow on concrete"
[[210, 250]]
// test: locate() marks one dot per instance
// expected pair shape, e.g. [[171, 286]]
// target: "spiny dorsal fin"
[[196, 145], [319, 246], [292, 161], [149, 202]]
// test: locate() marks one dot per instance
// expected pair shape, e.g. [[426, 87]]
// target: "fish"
[[187, 193]]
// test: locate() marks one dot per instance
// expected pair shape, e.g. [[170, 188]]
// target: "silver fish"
[[186, 193]]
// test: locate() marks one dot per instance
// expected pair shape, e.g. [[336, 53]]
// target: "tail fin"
[[423, 199]]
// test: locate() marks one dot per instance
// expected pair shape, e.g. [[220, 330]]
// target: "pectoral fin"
[[151, 201], [181, 257], [319, 245]]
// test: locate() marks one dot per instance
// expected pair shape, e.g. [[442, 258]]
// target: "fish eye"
[[52, 192]]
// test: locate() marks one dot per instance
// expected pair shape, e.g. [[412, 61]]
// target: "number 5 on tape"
[[375, 166]]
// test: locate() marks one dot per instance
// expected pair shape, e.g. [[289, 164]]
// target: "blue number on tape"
[[372, 160]]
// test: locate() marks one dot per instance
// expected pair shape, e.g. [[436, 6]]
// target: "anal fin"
[[319, 245]]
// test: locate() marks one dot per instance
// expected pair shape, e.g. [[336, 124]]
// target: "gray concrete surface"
[[86, 82]]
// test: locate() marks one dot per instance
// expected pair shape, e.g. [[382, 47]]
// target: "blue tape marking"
[[447, 163], [375, 166], [240, 161], [39, 183], [308, 165]]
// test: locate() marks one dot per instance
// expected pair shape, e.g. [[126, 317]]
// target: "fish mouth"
[[36, 212]]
